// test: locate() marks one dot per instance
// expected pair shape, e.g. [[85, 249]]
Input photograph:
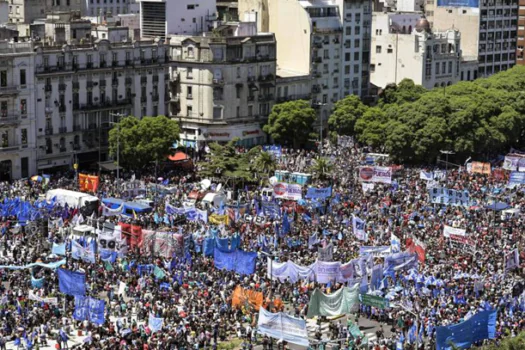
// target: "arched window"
[[409, 29]]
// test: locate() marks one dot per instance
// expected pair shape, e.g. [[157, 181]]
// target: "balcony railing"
[[62, 129], [9, 147], [104, 105], [48, 131], [9, 119], [9, 90]]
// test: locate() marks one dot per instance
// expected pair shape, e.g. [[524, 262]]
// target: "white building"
[[223, 86], [160, 18], [292, 86], [79, 88], [404, 47], [17, 111]]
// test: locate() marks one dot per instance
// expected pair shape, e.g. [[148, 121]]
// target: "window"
[[238, 112], [347, 69], [3, 109], [389, 50], [372, 67], [217, 112], [347, 56], [189, 91], [238, 91], [378, 49], [189, 73], [191, 7], [356, 56], [325, 54], [357, 43], [357, 30], [23, 106], [190, 52], [325, 98], [356, 68], [348, 30], [23, 77], [189, 112], [3, 78], [437, 68], [250, 110], [443, 67], [450, 68], [238, 72]]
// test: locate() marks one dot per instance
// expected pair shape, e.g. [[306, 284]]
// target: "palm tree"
[[264, 164], [321, 168]]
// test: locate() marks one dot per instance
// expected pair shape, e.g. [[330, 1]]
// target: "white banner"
[[287, 191], [375, 174], [449, 230], [358, 226], [427, 176], [326, 254], [367, 187], [33, 296], [512, 260]]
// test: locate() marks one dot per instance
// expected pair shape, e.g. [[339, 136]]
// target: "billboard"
[[458, 3]]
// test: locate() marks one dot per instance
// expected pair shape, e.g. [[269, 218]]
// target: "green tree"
[[224, 162], [141, 141], [515, 343], [405, 91], [264, 164], [371, 128], [321, 168], [291, 122], [346, 113]]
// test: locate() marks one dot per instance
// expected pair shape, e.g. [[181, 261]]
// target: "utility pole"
[[446, 153], [118, 115]]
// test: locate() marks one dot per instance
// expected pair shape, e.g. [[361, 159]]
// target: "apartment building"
[[521, 33], [331, 43], [81, 89], [160, 18], [405, 47], [223, 84], [107, 8], [17, 111], [488, 29], [291, 86]]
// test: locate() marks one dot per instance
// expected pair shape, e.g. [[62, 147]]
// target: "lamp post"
[[446, 153], [319, 105], [118, 115]]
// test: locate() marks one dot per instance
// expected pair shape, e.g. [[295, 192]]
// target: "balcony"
[[9, 119], [108, 104], [102, 83], [129, 63], [48, 88], [9, 147], [266, 77], [143, 80], [62, 149], [77, 127], [9, 90], [76, 85], [76, 147], [129, 81], [89, 84], [89, 65], [251, 98], [316, 89], [76, 106], [155, 79], [265, 97], [175, 99], [155, 98], [318, 59], [102, 64], [62, 129], [62, 87], [114, 64], [48, 131], [143, 99], [62, 109], [114, 82]]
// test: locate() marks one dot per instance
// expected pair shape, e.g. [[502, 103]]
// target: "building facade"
[[160, 18], [521, 33], [81, 89], [222, 86], [17, 111], [405, 47], [106, 8], [488, 30], [291, 87]]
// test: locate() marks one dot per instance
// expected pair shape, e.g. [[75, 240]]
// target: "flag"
[[135, 215], [359, 228], [286, 224], [155, 323], [71, 283], [512, 260], [158, 272], [312, 240], [395, 243], [63, 335]]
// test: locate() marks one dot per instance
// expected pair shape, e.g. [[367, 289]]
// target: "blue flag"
[[155, 323], [462, 335], [71, 283], [59, 249], [238, 261], [37, 283], [88, 308], [208, 246], [286, 224]]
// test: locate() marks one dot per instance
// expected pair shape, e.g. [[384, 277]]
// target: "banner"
[[516, 178], [512, 260], [326, 272], [376, 277], [458, 3], [78, 252], [90, 309], [247, 298], [287, 191], [449, 230], [480, 168], [239, 261], [395, 243], [339, 303], [283, 327], [288, 270], [374, 301], [37, 282], [270, 209], [53, 265], [326, 254], [71, 283], [358, 226], [165, 244], [215, 219], [426, 175], [414, 245], [375, 174], [274, 150], [463, 335], [88, 183], [375, 251], [447, 196], [400, 261], [318, 193], [33, 296], [59, 249], [512, 162], [367, 187]]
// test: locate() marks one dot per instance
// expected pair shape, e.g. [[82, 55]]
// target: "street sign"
[[374, 301]]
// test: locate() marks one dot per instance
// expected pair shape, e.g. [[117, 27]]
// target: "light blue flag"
[[155, 323], [59, 249], [37, 282]]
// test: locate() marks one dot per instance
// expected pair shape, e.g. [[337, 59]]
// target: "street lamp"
[[118, 115], [319, 105], [446, 153]]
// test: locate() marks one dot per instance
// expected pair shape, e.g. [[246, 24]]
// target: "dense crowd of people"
[[194, 298]]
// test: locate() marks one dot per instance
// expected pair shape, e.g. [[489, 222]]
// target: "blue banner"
[[319, 193], [400, 261], [238, 261], [275, 150], [463, 335], [458, 3], [516, 178], [52, 265], [270, 209], [447, 196], [88, 308], [71, 283], [222, 243], [155, 323], [208, 246]]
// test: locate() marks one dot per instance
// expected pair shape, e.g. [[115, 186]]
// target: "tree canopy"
[[480, 118], [141, 141], [291, 123], [347, 111]]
